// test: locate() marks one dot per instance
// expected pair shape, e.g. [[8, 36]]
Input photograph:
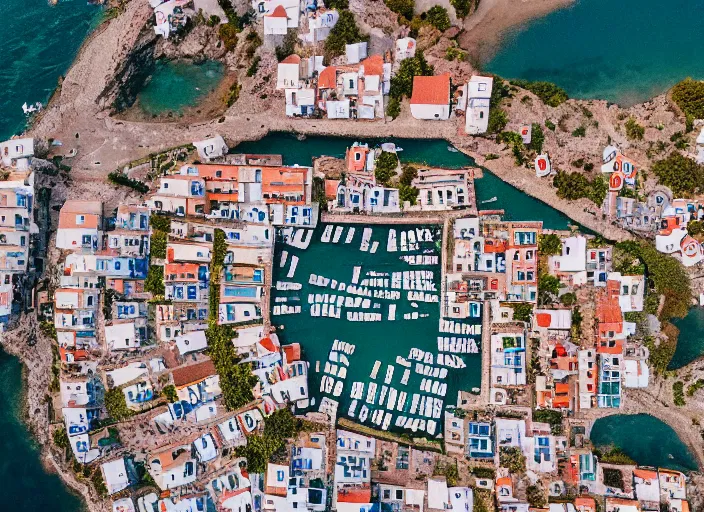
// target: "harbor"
[[369, 324]]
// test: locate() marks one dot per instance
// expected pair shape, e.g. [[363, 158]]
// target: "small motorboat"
[[453, 149], [493, 199]]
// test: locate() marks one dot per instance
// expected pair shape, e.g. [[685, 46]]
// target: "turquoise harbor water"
[[690, 344], [516, 204], [23, 483], [37, 45], [645, 439], [176, 85], [626, 51]]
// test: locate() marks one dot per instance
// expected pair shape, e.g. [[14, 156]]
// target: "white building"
[[405, 48], [17, 153], [288, 72], [356, 52], [121, 336], [478, 99], [431, 97], [212, 148], [80, 225], [115, 475]]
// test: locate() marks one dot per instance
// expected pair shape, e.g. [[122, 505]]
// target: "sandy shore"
[[485, 29]]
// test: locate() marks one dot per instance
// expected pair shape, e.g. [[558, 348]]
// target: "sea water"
[[690, 343], [38, 44], [517, 205], [645, 439], [626, 51]]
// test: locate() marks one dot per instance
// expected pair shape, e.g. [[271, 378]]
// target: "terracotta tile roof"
[[608, 314], [431, 90], [373, 65], [354, 495], [279, 12], [328, 78], [193, 373], [91, 210], [293, 352], [331, 188], [291, 59], [645, 474]]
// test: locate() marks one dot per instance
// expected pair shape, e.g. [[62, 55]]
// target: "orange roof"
[[181, 270], [328, 78], [279, 12], [291, 59], [561, 388], [373, 65], [331, 188], [354, 495], [544, 319], [608, 313], [645, 474], [431, 90], [293, 352], [193, 373], [504, 481], [268, 344], [91, 211], [585, 502]]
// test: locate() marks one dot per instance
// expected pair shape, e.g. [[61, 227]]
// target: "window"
[[166, 184], [481, 86], [481, 114], [80, 219], [90, 300], [117, 265], [218, 174], [85, 239]]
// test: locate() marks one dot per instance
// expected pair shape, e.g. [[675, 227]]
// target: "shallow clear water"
[[516, 204], [37, 45], [690, 344], [626, 51], [23, 482], [176, 85], [645, 439], [375, 341]]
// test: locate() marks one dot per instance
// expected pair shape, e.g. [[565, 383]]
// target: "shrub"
[[454, 53], [158, 245], [393, 109], [695, 227], [120, 178], [288, 45], [386, 166], [169, 392], [403, 7], [99, 483], [228, 34], [549, 93], [634, 131], [498, 119], [689, 96], [613, 478], [462, 7], [551, 417], [579, 132], [550, 244], [116, 405], [344, 32], [549, 125], [696, 386], [154, 283], [567, 299], [535, 496], [678, 393], [573, 186], [337, 4], [254, 66], [512, 458], [160, 222], [681, 174], [437, 16], [232, 95], [60, 438], [537, 138], [402, 81], [522, 311]]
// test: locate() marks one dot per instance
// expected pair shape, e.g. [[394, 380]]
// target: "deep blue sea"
[[38, 43], [624, 51]]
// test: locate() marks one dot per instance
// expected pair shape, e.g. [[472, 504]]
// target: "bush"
[[169, 392], [403, 7], [437, 16], [498, 119], [254, 66], [551, 417], [232, 95], [60, 438], [512, 458], [613, 478], [99, 483], [393, 109], [689, 96], [154, 283], [462, 7], [120, 178], [337, 4], [574, 186], [550, 244], [228, 34], [158, 245], [695, 227], [678, 393], [483, 472], [549, 125], [454, 53], [634, 131], [568, 299], [402, 81], [522, 311], [537, 138], [386, 166], [160, 223], [344, 32], [579, 132], [288, 45], [535, 496], [693, 388], [549, 93], [116, 405], [681, 174]]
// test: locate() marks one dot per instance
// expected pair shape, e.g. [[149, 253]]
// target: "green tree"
[[512, 458], [695, 227], [498, 119], [282, 424], [403, 7], [678, 393], [228, 34], [288, 45], [537, 138], [386, 166], [462, 7], [437, 16], [393, 109], [154, 283], [157, 245], [116, 405], [169, 392], [160, 222], [344, 32], [99, 483], [522, 311], [568, 299], [60, 438], [337, 4], [634, 131], [689, 96], [681, 174], [402, 81], [535, 496], [549, 93], [550, 244]]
